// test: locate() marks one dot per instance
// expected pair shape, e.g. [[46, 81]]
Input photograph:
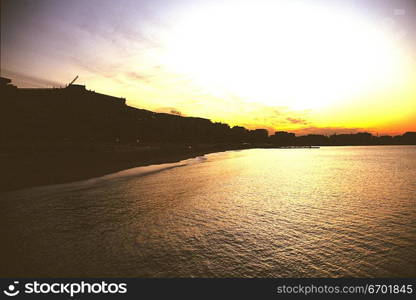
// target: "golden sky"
[[303, 66]]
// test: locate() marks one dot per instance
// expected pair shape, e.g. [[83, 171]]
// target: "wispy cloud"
[[297, 121], [139, 77], [25, 80]]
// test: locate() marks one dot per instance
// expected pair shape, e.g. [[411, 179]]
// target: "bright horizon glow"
[[265, 54]]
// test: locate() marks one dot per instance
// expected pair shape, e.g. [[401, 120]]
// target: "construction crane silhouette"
[[76, 77]]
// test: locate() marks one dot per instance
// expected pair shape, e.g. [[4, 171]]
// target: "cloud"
[[137, 76], [297, 121], [272, 118], [25, 80]]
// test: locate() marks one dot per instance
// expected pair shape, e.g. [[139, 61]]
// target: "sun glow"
[[295, 65], [284, 54]]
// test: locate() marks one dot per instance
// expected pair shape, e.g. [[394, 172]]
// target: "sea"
[[327, 212]]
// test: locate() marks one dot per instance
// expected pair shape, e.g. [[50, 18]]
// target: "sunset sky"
[[312, 66]]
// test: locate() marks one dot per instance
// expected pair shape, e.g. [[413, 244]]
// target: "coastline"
[[34, 165], [38, 165]]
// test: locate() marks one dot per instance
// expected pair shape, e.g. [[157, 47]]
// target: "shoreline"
[[26, 166], [36, 168]]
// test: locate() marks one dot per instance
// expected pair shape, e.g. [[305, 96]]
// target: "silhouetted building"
[[5, 84], [259, 136], [74, 113], [283, 138]]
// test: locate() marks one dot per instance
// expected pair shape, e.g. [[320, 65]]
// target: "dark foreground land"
[[25, 166]]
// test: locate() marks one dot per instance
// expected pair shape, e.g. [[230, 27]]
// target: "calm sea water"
[[329, 212]]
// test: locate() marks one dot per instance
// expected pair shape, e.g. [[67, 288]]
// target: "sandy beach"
[[32, 165]]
